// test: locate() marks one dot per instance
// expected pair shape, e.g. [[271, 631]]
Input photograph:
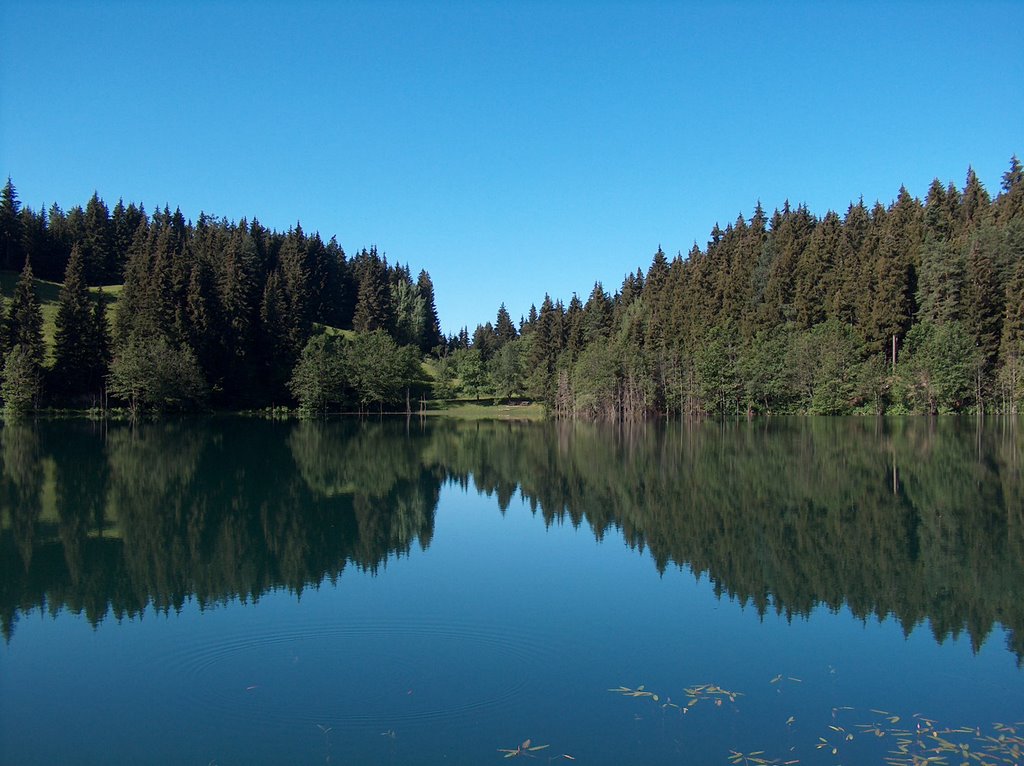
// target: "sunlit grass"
[[49, 298], [474, 410]]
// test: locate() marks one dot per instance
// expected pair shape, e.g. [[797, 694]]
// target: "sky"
[[511, 149]]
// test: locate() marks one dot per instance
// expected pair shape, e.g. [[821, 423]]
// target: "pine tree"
[[100, 345], [984, 295], [941, 211], [790, 234], [574, 327], [275, 346], [431, 327], [74, 366], [1010, 203], [543, 350], [504, 330], [408, 308], [815, 272], [1011, 350], [237, 285], [201, 315], [895, 271], [11, 255], [975, 205], [597, 315], [485, 341], [25, 319], [373, 301], [98, 257], [297, 296]]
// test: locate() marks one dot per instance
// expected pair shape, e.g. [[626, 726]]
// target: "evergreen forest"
[[914, 307], [206, 314]]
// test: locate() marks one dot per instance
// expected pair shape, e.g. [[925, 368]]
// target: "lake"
[[240, 591]]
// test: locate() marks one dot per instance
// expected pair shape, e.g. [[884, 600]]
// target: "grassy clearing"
[[463, 409]]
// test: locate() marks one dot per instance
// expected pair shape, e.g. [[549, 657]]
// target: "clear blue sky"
[[510, 148]]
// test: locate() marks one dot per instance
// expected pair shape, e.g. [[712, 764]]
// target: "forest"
[[211, 314], [917, 307], [914, 307]]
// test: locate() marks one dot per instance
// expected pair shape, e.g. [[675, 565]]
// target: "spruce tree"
[[974, 209], [1011, 350], [73, 363], [10, 228], [597, 315], [373, 302], [98, 256], [431, 327], [1010, 203], [25, 319], [296, 293], [504, 329]]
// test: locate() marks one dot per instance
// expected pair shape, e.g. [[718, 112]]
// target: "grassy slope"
[[49, 296]]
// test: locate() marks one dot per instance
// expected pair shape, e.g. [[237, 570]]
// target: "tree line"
[[914, 307], [214, 312]]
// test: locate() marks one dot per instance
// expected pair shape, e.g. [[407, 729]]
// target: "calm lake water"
[[234, 591]]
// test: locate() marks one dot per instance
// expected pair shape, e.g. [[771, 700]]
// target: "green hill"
[[49, 296]]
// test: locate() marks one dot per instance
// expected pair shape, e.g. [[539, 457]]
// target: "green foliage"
[[24, 325], [379, 370], [443, 384], [374, 310], [81, 342], [791, 313], [595, 379], [763, 369], [937, 371], [823, 367], [11, 251], [778, 313], [506, 369], [717, 371], [473, 378], [21, 382], [151, 374], [319, 377]]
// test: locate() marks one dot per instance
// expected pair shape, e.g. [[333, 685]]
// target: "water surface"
[[238, 591]]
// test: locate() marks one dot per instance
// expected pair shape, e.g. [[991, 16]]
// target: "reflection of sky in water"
[[502, 630]]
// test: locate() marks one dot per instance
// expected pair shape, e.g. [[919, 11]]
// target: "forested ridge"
[[914, 307], [214, 313]]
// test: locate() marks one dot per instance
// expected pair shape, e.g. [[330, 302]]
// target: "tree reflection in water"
[[918, 519]]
